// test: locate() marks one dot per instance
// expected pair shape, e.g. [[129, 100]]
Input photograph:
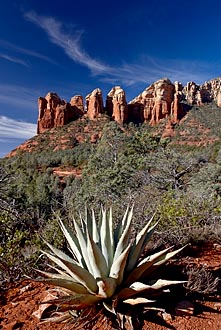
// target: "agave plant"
[[106, 267]]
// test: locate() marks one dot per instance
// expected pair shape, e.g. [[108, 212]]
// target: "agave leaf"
[[138, 287], [109, 308], [141, 235], [87, 222], [95, 233], [66, 284], [52, 275], [139, 244], [76, 302], [58, 262], [118, 266], [107, 287], [59, 271], [153, 285], [73, 242], [123, 241], [138, 300], [82, 221], [145, 265], [149, 234], [78, 273], [159, 284], [83, 246], [134, 289], [162, 260], [91, 226], [121, 226], [170, 255], [61, 254], [97, 260], [154, 257], [106, 237]]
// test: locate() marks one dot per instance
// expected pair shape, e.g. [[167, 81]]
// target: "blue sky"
[[72, 47]]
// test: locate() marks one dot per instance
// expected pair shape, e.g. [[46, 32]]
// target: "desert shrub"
[[200, 280], [18, 248], [188, 218]]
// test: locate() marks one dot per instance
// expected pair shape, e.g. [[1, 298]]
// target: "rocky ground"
[[20, 304]]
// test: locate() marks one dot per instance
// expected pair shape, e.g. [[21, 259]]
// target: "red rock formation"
[[54, 112], [77, 102], [116, 105], [212, 89], [190, 92], [155, 102], [94, 104], [164, 96], [60, 115], [76, 108], [160, 100], [177, 110], [199, 94]]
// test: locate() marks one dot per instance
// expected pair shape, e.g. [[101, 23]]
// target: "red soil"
[[22, 299]]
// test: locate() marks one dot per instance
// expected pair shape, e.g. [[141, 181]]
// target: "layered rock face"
[[116, 105], [78, 104], [94, 104], [155, 102], [163, 99], [177, 108], [207, 92], [54, 112], [160, 100]]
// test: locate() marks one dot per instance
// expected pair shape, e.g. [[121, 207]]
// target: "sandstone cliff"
[[162, 99], [154, 103], [116, 105], [54, 112], [94, 104]]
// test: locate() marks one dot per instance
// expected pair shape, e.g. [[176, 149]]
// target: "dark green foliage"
[[18, 248]]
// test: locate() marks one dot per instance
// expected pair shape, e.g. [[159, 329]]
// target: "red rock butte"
[[162, 99]]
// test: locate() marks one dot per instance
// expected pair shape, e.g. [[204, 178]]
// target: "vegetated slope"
[[63, 138], [200, 126], [178, 176]]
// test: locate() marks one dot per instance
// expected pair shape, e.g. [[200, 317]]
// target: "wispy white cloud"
[[10, 128], [10, 46], [18, 96], [70, 44], [146, 71], [13, 133], [14, 59], [149, 70]]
